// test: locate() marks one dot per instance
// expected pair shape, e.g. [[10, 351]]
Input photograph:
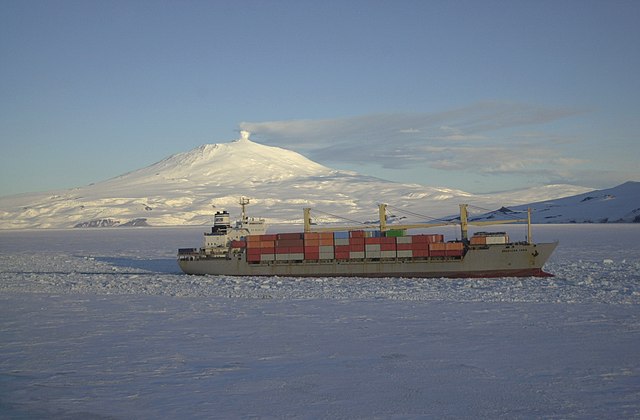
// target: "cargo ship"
[[382, 250]]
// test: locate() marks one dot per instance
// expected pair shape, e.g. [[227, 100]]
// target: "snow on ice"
[[101, 324]]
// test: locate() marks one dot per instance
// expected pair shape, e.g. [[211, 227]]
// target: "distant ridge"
[[619, 204], [186, 189]]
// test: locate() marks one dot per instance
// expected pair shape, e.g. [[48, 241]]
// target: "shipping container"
[[493, 240], [433, 238], [372, 247], [373, 254], [392, 233], [405, 253], [478, 240], [342, 248], [238, 244], [437, 249], [419, 253], [388, 254], [387, 247], [356, 241], [404, 239], [340, 235], [286, 236], [356, 234], [341, 241], [289, 242], [356, 254]]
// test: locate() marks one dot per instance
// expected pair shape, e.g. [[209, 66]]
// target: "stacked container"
[[318, 246], [489, 238], [289, 247], [261, 248], [314, 246], [380, 247]]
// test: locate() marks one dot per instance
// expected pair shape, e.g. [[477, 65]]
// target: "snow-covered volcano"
[[184, 189]]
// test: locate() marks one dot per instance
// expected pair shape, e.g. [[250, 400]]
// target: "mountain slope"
[[620, 204], [183, 189]]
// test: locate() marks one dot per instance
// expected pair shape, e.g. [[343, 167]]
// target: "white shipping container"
[[405, 254], [341, 241], [387, 254], [356, 254], [494, 240], [404, 240]]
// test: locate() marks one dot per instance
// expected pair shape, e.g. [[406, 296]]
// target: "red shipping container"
[[311, 235], [342, 248], [282, 250], [312, 255], [420, 253], [289, 242], [388, 247], [238, 244], [356, 234], [356, 247], [356, 241], [311, 249], [253, 258], [253, 238], [326, 241], [254, 251], [286, 236], [405, 247], [372, 241], [268, 237], [423, 246], [311, 242], [388, 240], [435, 238], [342, 255], [297, 249]]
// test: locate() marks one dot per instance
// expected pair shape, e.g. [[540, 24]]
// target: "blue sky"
[[476, 95]]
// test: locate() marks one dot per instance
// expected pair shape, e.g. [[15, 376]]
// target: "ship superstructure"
[[382, 250]]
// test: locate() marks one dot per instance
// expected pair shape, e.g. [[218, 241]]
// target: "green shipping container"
[[394, 233]]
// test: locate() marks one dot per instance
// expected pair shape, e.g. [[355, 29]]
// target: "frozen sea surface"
[[101, 324]]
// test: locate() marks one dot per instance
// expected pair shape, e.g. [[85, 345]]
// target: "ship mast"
[[243, 202]]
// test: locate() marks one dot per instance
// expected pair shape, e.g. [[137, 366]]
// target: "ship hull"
[[505, 260]]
